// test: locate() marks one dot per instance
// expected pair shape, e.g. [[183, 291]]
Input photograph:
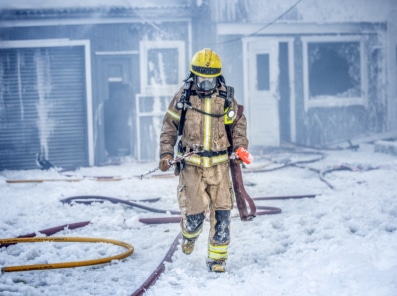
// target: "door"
[[116, 94], [261, 73], [117, 119]]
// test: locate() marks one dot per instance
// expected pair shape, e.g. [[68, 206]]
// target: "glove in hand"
[[164, 163]]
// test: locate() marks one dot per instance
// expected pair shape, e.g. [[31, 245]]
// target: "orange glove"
[[244, 155], [164, 163]]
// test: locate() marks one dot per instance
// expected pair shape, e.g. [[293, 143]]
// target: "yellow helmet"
[[206, 63]]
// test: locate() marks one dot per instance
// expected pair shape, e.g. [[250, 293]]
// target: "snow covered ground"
[[342, 242]]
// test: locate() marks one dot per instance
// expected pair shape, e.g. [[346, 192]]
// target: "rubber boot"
[[191, 229], [188, 245], [216, 265]]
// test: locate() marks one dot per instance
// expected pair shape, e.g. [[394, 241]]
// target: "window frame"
[[158, 114], [334, 101], [145, 47]]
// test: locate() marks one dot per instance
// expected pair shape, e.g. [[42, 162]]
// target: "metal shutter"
[[42, 107]]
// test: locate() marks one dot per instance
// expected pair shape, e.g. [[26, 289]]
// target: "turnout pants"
[[201, 189]]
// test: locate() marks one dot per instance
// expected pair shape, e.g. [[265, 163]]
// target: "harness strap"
[[205, 153], [187, 92], [206, 113]]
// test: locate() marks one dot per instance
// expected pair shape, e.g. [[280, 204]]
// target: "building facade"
[[313, 72], [88, 84], [81, 85]]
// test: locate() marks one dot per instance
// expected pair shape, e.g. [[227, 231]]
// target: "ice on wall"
[[2, 105], [158, 79], [45, 123], [98, 121], [265, 11], [344, 10], [19, 62]]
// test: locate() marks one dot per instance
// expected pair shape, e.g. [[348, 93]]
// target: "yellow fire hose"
[[130, 250]]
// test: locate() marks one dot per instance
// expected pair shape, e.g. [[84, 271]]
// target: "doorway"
[[261, 74], [269, 92], [116, 120], [116, 137], [285, 93]]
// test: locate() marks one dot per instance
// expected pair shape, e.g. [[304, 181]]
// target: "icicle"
[[157, 99], [44, 123], [2, 105], [98, 121], [20, 85]]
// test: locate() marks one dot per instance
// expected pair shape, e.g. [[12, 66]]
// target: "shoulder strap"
[[184, 99], [229, 127], [229, 96]]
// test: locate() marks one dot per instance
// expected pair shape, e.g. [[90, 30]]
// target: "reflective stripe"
[[218, 252], [206, 162], [192, 235], [220, 158], [173, 114], [218, 249], [193, 159], [217, 256], [207, 124]]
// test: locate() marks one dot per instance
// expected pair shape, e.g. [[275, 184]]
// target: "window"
[[263, 71], [162, 66], [334, 72], [150, 113], [162, 69]]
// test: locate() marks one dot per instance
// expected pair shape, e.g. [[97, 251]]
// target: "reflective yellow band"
[[192, 235], [195, 159], [222, 248], [207, 123], [218, 252], [217, 256], [206, 162], [174, 115], [220, 158]]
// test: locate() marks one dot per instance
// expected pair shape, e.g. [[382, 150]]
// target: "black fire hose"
[[116, 200], [176, 219]]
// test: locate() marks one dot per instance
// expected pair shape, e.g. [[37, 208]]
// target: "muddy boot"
[[192, 226], [187, 245], [216, 265]]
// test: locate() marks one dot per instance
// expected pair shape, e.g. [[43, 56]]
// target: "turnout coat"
[[201, 128]]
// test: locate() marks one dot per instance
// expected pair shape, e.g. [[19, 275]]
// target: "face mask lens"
[[206, 84]]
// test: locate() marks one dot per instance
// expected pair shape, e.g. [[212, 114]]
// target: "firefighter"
[[201, 113]]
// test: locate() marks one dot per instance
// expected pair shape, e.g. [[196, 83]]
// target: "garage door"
[[43, 107]]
